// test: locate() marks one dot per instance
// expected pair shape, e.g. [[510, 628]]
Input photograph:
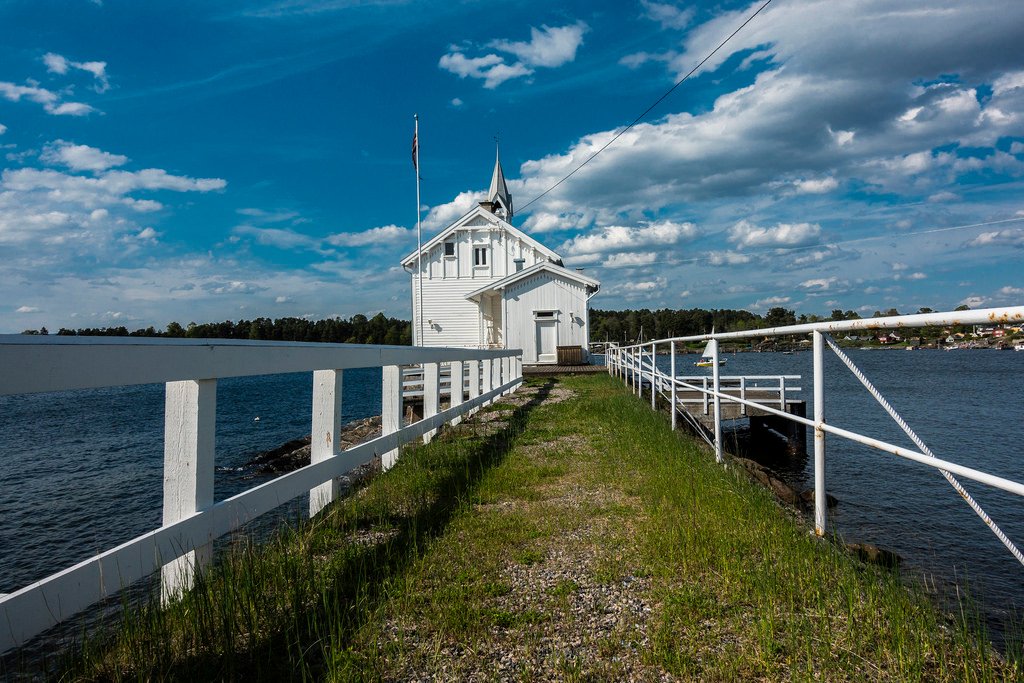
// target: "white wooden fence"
[[631, 364], [190, 369]]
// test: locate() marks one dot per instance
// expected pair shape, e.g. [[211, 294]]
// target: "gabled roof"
[[552, 268], [495, 221]]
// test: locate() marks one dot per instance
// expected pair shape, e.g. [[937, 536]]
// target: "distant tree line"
[[356, 330]]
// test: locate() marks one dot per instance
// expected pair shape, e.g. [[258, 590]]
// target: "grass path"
[[564, 534]]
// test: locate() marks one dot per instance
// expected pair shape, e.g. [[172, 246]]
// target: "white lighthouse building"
[[487, 284]]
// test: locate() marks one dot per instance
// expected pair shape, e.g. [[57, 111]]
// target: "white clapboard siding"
[[545, 292]]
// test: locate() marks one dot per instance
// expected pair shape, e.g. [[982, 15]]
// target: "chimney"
[[488, 205], [519, 263]]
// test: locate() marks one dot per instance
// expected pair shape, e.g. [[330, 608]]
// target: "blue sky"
[[197, 161]]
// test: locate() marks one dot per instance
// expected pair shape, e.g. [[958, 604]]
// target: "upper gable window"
[[479, 256], [449, 248]]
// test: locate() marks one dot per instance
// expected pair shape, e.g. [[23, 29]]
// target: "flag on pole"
[[415, 150]]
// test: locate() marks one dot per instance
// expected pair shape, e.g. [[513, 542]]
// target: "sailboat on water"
[[707, 360]]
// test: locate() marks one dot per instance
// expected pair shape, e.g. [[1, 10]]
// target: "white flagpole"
[[419, 234]]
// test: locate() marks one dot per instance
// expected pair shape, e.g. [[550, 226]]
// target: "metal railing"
[[635, 365], [190, 368]]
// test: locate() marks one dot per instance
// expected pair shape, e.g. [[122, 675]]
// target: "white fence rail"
[[635, 365], [190, 369]]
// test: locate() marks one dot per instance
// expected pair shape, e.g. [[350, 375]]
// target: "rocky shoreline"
[[294, 454]]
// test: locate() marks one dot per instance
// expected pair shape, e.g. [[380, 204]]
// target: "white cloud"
[[280, 238], [382, 236], [819, 284], [548, 46], [973, 301], [621, 238], [50, 100], [283, 300], [1012, 291], [27, 309], [728, 258], [3, 129], [747, 234], [80, 157], [668, 15], [816, 186], [1009, 237], [768, 302], [944, 196], [630, 260], [147, 234], [60, 65], [457, 102]]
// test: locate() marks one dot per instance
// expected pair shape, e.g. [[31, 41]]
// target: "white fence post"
[[820, 502], [672, 371], [488, 378], [654, 375], [325, 441], [474, 381], [782, 392], [496, 374], [704, 382], [458, 386], [390, 410], [506, 373], [743, 395], [190, 421], [718, 402], [431, 394]]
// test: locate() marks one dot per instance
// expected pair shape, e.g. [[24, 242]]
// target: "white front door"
[[547, 341]]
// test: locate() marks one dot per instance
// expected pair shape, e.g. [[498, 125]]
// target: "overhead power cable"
[[648, 110]]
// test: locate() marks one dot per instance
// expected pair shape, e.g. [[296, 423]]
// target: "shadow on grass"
[[289, 609]]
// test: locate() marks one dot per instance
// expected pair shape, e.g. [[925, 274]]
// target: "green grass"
[[586, 541]]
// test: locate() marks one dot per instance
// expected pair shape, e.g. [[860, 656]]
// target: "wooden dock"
[[550, 370]]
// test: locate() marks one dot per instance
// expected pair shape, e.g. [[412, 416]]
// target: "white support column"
[[519, 367], [654, 375], [474, 381], [326, 433], [390, 410], [672, 371], [496, 373], [743, 395], [458, 388], [506, 373], [782, 393], [488, 378], [431, 395], [190, 421], [820, 502], [704, 382], [719, 457]]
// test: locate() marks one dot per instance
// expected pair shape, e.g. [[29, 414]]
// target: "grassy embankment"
[[574, 537]]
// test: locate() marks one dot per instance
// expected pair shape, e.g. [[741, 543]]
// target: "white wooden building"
[[487, 284]]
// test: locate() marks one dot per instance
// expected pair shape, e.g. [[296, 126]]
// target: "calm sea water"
[[81, 471], [968, 407]]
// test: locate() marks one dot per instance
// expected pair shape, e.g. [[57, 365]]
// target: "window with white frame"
[[480, 256], [449, 249]]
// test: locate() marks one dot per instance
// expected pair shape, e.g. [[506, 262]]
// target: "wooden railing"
[[190, 369]]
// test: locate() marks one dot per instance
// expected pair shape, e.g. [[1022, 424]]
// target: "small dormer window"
[[480, 256], [449, 249]]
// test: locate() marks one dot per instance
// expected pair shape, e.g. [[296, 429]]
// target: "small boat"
[[1019, 346], [707, 360]]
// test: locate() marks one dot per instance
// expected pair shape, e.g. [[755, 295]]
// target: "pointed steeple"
[[498, 195]]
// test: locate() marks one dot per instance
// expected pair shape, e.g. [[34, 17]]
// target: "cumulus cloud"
[[548, 47], [80, 157], [816, 186], [819, 284], [1009, 237], [728, 258], [49, 99], [768, 302], [280, 238], [668, 15], [26, 309], [1011, 291], [630, 260], [382, 236], [618, 238], [58, 64], [746, 234]]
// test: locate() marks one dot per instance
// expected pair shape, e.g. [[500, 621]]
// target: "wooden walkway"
[[549, 370]]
